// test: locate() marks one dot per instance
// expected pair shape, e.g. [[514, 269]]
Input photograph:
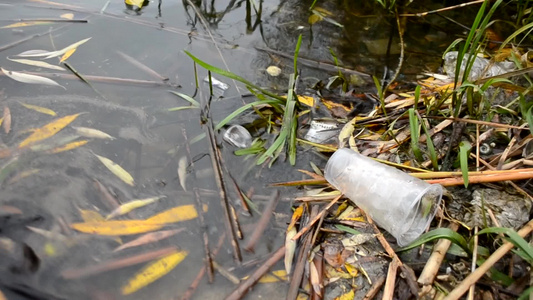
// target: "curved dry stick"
[[484, 268]]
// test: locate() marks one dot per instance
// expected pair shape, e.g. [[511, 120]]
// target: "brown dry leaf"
[[314, 278], [125, 227], [153, 271], [176, 214], [290, 248], [7, 120], [48, 130], [67, 54], [148, 238], [333, 255], [311, 174], [69, 146]]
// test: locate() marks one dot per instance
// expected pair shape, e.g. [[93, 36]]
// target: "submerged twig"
[[263, 222], [142, 66], [245, 285], [205, 237]]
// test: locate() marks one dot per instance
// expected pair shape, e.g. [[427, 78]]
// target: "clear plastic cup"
[[398, 202]]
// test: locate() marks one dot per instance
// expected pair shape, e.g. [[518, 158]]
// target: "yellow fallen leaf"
[[125, 227], [351, 270], [276, 277], [138, 3], [153, 271], [290, 248], [175, 214], [67, 54], [295, 217], [117, 170], [40, 109], [69, 146], [347, 296], [48, 130], [131, 205], [314, 18], [307, 100], [24, 24], [91, 215], [68, 16]]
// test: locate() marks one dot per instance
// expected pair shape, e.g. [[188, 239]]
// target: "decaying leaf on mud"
[[48, 130], [153, 271], [131, 205], [117, 170]]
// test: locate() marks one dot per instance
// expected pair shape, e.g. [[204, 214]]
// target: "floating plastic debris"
[[238, 136], [400, 203], [482, 67], [321, 131], [217, 83]]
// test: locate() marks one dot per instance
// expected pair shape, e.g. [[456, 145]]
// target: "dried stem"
[[263, 221]]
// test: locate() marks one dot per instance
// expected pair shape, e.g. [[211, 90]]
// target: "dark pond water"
[[47, 191]]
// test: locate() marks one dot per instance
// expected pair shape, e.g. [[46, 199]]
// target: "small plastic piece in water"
[[238, 136], [398, 202], [321, 131], [482, 67], [217, 83], [273, 71]]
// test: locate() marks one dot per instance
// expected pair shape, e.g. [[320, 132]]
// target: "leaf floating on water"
[[117, 170], [278, 275], [114, 227], [22, 175], [69, 146], [68, 16], [131, 205], [37, 63], [182, 172], [40, 109], [31, 79], [153, 271], [138, 3], [25, 24], [48, 130], [91, 215], [148, 238], [173, 215], [6, 123], [67, 55], [92, 133], [50, 54]]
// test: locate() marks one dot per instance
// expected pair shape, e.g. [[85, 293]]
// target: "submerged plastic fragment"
[[482, 67], [238, 136]]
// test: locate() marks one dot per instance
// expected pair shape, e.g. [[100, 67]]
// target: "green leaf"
[[514, 238], [232, 76], [415, 134], [241, 109], [464, 151], [527, 111], [187, 98], [347, 229], [439, 233], [525, 294]]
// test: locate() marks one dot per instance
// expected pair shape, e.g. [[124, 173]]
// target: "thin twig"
[[316, 218], [142, 66], [208, 260], [388, 290], [372, 292], [46, 20], [16, 43], [484, 268], [263, 221], [442, 9], [242, 289]]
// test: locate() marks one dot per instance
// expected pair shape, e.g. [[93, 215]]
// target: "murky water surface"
[[50, 191]]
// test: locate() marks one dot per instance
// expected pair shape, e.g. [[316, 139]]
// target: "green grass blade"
[[181, 108], [464, 151], [240, 110], [415, 134], [439, 233], [514, 238], [280, 140], [515, 34], [186, 98], [525, 294], [347, 229], [231, 75]]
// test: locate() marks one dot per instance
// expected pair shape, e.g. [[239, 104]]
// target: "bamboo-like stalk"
[[483, 178], [435, 175]]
